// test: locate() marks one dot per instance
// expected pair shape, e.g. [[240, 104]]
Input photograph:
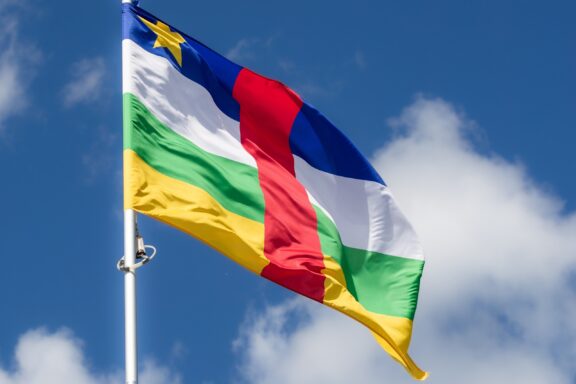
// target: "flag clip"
[[142, 257]]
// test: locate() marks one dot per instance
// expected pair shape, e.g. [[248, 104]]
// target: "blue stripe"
[[199, 63], [317, 141]]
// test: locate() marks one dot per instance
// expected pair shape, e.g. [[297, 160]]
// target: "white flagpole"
[[130, 296], [130, 290]]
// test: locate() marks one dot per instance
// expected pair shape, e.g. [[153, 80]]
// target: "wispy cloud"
[[249, 48], [99, 158], [42, 357], [360, 60], [286, 65], [498, 292], [242, 49], [312, 90], [85, 85], [17, 66]]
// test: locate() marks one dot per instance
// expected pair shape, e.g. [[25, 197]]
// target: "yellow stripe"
[[194, 211], [392, 333]]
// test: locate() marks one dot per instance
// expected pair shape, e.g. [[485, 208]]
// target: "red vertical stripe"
[[267, 111]]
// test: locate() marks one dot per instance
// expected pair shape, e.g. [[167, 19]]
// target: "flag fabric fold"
[[240, 162]]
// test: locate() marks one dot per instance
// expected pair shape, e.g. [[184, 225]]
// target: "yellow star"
[[166, 38]]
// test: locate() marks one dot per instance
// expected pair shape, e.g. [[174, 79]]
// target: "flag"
[[241, 163]]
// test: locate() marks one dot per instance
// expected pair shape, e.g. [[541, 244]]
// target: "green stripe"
[[234, 185], [382, 283]]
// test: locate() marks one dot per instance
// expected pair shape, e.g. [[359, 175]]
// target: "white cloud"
[[153, 373], [17, 65], [498, 291], [247, 49], [241, 50], [301, 342], [86, 83], [42, 357]]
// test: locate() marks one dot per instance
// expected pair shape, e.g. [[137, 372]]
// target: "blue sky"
[[466, 108]]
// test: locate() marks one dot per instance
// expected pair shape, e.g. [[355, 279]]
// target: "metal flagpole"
[[130, 296], [131, 348], [134, 257]]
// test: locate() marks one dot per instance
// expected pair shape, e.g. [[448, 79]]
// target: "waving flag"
[[241, 163]]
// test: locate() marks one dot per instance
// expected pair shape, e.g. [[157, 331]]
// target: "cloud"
[[301, 342], [241, 50], [85, 86], [498, 291], [42, 357], [245, 49], [17, 66], [153, 373], [360, 60], [98, 159]]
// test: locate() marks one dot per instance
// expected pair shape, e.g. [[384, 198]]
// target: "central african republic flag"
[[241, 163]]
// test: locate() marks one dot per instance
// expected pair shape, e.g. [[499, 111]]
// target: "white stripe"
[[364, 212], [181, 104]]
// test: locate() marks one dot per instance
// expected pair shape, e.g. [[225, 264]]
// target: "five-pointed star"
[[166, 38]]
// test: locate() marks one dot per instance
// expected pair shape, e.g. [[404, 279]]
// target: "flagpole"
[[130, 296], [131, 346]]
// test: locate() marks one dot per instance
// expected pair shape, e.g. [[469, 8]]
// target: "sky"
[[466, 108]]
